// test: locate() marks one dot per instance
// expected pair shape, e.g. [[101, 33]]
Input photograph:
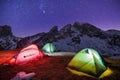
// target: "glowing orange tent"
[[29, 53]]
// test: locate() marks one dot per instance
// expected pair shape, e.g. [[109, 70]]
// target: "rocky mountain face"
[[7, 39], [73, 37]]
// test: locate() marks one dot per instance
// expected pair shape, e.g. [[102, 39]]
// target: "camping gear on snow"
[[49, 48], [89, 62], [23, 76], [28, 53]]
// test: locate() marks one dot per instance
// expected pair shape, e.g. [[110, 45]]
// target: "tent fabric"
[[31, 52], [107, 72], [49, 48], [88, 61]]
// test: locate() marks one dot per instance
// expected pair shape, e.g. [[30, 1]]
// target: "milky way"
[[28, 17]]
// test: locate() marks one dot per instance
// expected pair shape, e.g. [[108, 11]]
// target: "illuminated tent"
[[49, 48], [87, 61], [28, 53]]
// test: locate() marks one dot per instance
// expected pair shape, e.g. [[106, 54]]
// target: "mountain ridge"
[[73, 37]]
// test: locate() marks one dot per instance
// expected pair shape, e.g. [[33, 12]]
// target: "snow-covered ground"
[[23, 76], [62, 54]]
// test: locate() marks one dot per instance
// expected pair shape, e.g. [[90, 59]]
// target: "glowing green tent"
[[89, 62], [49, 48]]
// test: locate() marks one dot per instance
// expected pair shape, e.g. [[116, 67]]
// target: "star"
[[44, 11]]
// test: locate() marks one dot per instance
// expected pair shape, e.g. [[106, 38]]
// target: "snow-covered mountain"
[[74, 38], [7, 39]]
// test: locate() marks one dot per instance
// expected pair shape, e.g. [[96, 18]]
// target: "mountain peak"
[[113, 32], [86, 28], [54, 29], [66, 28], [5, 31]]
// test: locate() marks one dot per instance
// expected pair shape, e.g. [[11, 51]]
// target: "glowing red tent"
[[28, 53]]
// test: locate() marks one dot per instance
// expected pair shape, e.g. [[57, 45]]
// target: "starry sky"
[[29, 17]]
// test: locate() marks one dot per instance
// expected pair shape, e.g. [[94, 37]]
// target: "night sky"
[[28, 17]]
